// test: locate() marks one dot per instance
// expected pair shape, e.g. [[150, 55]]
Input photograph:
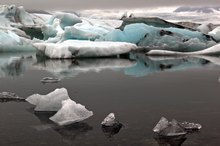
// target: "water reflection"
[[174, 141], [72, 68], [110, 131], [136, 65], [148, 65], [68, 132], [15, 64]]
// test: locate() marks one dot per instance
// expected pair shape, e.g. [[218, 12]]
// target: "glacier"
[[71, 112]]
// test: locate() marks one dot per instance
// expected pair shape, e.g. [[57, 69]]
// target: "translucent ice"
[[162, 124], [49, 102], [71, 112], [168, 129], [164, 38], [66, 19]]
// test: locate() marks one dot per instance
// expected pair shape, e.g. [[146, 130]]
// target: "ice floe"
[[214, 50]]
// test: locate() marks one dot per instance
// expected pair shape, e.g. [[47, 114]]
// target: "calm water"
[[138, 90]]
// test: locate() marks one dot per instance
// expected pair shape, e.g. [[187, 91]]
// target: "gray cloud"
[[103, 4]]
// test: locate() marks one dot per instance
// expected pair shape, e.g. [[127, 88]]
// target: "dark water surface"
[[138, 90]]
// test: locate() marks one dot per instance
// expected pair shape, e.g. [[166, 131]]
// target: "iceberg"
[[77, 48], [71, 112], [11, 42], [164, 38], [50, 102]]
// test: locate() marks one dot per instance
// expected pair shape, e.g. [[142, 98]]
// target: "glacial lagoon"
[[139, 89]]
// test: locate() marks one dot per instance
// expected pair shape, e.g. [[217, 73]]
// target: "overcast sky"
[[104, 4]]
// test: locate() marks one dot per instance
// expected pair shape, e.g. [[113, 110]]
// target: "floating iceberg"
[[71, 112], [76, 48], [49, 102], [164, 38], [11, 42]]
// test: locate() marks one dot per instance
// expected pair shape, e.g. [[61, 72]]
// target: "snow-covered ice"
[[49, 102], [77, 48], [71, 112]]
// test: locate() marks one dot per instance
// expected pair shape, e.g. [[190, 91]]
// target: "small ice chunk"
[[191, 126], [49, 102], [9, 96], [162, 124], [71, 112], [109, 120], [50, 80]]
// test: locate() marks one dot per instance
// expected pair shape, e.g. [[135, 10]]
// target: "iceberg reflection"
[[136, 65], [68, 132], [72, 68], [15, 64], [148, 65]]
